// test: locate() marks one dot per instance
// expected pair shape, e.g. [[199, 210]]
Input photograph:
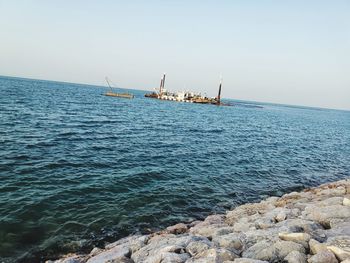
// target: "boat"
[[163, 94], [111, 93]]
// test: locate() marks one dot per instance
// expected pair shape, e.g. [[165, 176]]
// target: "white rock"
[[294, 237], [346, 201], [316, 247]]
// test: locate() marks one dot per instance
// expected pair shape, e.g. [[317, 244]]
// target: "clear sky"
[[294, 52]]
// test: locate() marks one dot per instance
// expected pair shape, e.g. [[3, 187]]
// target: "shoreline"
[[312, 225]]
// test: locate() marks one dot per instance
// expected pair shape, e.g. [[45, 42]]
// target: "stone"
[[340, 253], [316, 247], [95, 251], [177, 229], [323, 257], [264, 223], [337, 200], [247, 260], [116, 253], [69, 259], [346, 201], [295, 237], [323, 215], [205, 229], [272, 251], [169, 243], [229, 241], [295, 257], [174, 258], [197, 247], [340, 246], [217, 254], [281, 216], [241, 227]]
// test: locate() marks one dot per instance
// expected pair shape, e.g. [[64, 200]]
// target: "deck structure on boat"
[[192, 97]]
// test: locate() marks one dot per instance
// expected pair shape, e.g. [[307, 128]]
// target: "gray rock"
[[205, 229], [323, 257], [197, 247], [272, 251], [217, 255], [323, 215], [247, 260], [295, 257], [116, 253], [231, 241], [157, 246], [340, 246], [70, 259], [177, 229], [174, 258]]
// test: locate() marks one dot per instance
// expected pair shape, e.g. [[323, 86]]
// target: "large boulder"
[[295, 257], [273, 252], [119, 253], [323, 257]]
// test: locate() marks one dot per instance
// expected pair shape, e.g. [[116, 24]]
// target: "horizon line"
[[244, 100]]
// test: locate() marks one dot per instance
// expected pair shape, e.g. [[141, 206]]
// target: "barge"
[[185, 96]]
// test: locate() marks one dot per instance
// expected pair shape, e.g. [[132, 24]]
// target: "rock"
[[323, 215], [197, 247], [119, 252], [281, 216], [272, 251], [346, 201], [316, 247], [346, 261], [340, 246], [217, 254], [164, 244], [337, 200], [248, 260], [174, 258], [133, 242], [215, 219], [323, 257], [69, 259], [177, 229], [246, 210], [95, 251], [295, 237], [295, 257], [241, 226], [338, 191], [230, 241], [264, 223], [205, 229]]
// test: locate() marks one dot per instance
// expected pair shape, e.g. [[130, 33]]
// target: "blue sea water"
[[79, 169]]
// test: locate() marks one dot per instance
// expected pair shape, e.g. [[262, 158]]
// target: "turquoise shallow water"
[[79, 169]]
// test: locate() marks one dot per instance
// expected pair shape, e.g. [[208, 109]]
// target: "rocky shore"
[[309, 226]]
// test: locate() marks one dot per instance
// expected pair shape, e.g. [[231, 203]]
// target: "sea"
[[79, 169]]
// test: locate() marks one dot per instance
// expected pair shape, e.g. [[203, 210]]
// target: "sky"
[[290, 52]]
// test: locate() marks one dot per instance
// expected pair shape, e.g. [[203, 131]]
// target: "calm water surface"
[[78, 169]]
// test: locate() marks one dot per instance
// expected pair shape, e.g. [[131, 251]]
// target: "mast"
[[219, 95], [162, 81], [109, 85]]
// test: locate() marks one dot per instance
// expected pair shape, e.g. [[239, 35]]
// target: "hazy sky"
[[295, 52]]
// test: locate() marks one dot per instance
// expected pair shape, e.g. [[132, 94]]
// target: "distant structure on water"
[[111, 93], [185, 96]]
